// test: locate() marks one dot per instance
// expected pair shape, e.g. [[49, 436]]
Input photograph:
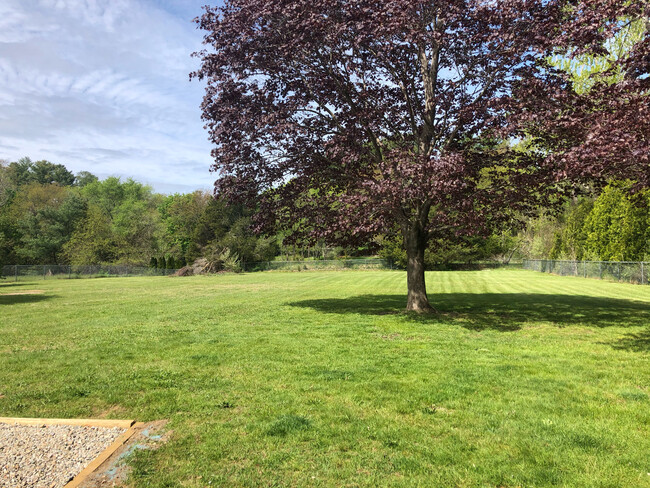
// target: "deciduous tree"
[[181, 214], [25, 171], [132, 209], [359, 118], [45, 217], [93, 241]]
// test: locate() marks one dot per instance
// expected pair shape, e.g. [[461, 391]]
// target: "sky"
[[103, 86]]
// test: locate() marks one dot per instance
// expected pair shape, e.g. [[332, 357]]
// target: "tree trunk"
[[415, 242]]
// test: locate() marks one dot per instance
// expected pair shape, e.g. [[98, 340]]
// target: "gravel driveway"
[[49, 456]]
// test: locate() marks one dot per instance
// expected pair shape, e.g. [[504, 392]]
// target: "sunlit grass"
[[319, 379]]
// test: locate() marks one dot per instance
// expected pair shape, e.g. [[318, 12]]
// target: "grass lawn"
[[317, 378]]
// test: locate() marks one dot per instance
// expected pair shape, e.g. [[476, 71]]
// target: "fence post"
[[15, 272], [619, 271], [600, 269], [43, 271], [642, 274]]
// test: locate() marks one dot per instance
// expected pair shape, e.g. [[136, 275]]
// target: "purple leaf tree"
[[604, 133], [343, 120]]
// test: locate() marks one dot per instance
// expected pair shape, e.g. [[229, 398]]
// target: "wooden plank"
[[105, 423], [99, 460]]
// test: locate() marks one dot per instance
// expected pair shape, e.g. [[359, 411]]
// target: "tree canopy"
[[344, 120], [81, 220], [598, 131]]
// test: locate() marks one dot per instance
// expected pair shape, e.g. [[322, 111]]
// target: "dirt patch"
[[395, 336], [115, 470], [116, 411], [24, 292]]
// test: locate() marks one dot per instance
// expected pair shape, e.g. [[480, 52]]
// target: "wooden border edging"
[[101, 459], [105, 423], [131, 426]]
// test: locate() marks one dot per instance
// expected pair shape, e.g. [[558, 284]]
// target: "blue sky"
[[102, 86]]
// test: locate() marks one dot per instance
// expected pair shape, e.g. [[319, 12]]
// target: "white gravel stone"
[[49, 456]]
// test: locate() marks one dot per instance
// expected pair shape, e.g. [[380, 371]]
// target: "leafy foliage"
[[24, 171], [88, 221], [588, 68], [220, 259], [181, 214], [617, 227], [442, 252], [611, 227], [45, 216], [93, 241], [356, 119], [599, 132]]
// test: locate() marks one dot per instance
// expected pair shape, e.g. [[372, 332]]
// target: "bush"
[[221, 260]]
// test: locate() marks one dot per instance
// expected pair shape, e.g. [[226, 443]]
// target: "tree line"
[[48, 215]]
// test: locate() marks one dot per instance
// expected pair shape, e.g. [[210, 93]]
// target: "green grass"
[[317, 378]]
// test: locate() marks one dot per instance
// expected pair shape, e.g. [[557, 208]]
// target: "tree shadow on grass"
[[503, 312], [8, 284], [20, 299], [638, 342]]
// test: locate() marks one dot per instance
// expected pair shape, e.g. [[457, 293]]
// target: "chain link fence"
[[624, 271], [332, 264], [369, 263], [53, 271]]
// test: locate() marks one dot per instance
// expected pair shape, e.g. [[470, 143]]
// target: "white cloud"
[[102, 86]]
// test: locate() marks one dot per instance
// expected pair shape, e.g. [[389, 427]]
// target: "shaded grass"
[[319, 379], [503, 312], [636, 341], [18, 299]]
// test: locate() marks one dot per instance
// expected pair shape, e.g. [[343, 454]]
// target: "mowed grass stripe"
[[319, 379]]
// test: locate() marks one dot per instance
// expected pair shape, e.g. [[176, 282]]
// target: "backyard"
[[320, 379]]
